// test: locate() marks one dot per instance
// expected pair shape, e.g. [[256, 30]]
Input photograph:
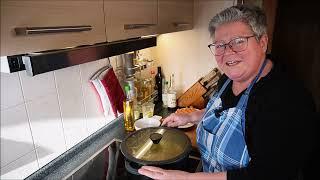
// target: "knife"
[[212, 81], [204, 80]]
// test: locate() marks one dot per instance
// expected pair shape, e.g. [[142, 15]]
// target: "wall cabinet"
[[270, 7], [35, 19], [127, 19], [32, 25], [175, 15]]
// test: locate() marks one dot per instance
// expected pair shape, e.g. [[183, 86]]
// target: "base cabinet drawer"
[[33, 25]]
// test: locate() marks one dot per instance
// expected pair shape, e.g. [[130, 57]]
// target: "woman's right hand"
[[174, 120], [180, 119]]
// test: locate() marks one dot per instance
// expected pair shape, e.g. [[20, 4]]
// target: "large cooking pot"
[[157, 146]]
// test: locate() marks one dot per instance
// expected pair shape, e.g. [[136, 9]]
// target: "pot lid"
[[156, 145]]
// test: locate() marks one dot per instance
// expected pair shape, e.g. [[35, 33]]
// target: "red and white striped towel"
[[109, 91]]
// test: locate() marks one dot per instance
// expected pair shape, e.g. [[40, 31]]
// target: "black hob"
[[109, 164]]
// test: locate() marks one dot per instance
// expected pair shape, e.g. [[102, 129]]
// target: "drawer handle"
[[24, 31], [179, 24], [137, 26]]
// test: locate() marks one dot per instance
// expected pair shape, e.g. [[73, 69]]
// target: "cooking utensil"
[[212, 81], [209, 76], [141, 148]]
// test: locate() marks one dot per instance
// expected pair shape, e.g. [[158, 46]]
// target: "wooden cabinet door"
[[84, 17], [130, 18], [175, 15], [269, 7]]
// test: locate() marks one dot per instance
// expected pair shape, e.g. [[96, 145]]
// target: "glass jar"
[[147, 88]]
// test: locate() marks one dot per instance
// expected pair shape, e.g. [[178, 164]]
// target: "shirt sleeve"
[[282, 135]]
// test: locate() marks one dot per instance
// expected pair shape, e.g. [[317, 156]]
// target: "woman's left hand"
[[159, 173]]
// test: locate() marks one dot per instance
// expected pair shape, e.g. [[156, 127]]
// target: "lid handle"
[[155, 137]]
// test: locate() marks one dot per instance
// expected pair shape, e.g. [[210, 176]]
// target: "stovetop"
[[109, 164]]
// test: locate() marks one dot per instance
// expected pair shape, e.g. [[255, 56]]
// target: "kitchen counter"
[[71, 160]]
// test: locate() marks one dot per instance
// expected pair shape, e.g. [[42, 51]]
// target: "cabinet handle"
[[137, 26], [24, 31], [179, 24]]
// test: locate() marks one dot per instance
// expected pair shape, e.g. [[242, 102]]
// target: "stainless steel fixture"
[[129, 69], [41, 62], [23, 31], [137, 26]]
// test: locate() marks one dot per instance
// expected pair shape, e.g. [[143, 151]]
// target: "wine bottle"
[[158, 82]]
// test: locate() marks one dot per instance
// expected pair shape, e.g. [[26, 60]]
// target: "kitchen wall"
[[45, 115], [186, 53]]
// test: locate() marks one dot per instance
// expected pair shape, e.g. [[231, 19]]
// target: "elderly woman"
[[256, 126]]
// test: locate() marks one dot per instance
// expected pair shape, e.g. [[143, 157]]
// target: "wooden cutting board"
[[191, 95]]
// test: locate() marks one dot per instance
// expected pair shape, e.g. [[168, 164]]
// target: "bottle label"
[[171, 100], [165, 99]]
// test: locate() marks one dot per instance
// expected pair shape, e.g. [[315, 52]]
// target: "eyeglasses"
[[236, 45]]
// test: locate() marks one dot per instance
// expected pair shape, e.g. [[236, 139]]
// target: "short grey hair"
[[253, 16]]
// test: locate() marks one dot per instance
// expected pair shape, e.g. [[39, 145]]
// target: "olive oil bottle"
[[128, 113]]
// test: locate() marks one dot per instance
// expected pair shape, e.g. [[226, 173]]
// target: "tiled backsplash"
[[45, 115]]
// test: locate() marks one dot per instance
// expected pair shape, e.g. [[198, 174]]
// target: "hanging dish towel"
[[109, 90]]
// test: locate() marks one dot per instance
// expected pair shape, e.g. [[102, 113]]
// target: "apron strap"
[[244, 99], [247, 92], [223, 87], [243, 102]]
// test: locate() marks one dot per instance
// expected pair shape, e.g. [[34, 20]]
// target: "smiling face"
[[240, 66]]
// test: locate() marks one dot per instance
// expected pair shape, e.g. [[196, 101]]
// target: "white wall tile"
[[94, 116], [71, 104], [20, 168], [37, 86], [46, 127], [11, 93], [16, 139]]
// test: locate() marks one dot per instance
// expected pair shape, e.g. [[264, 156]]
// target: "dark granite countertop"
[[162, 111]]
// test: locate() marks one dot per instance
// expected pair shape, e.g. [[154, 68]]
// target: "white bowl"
[[146, 122]]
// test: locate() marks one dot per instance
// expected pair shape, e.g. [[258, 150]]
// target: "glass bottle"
[[128, 114], [158, 83], [172, 95], [152, 79], [165, 94]]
